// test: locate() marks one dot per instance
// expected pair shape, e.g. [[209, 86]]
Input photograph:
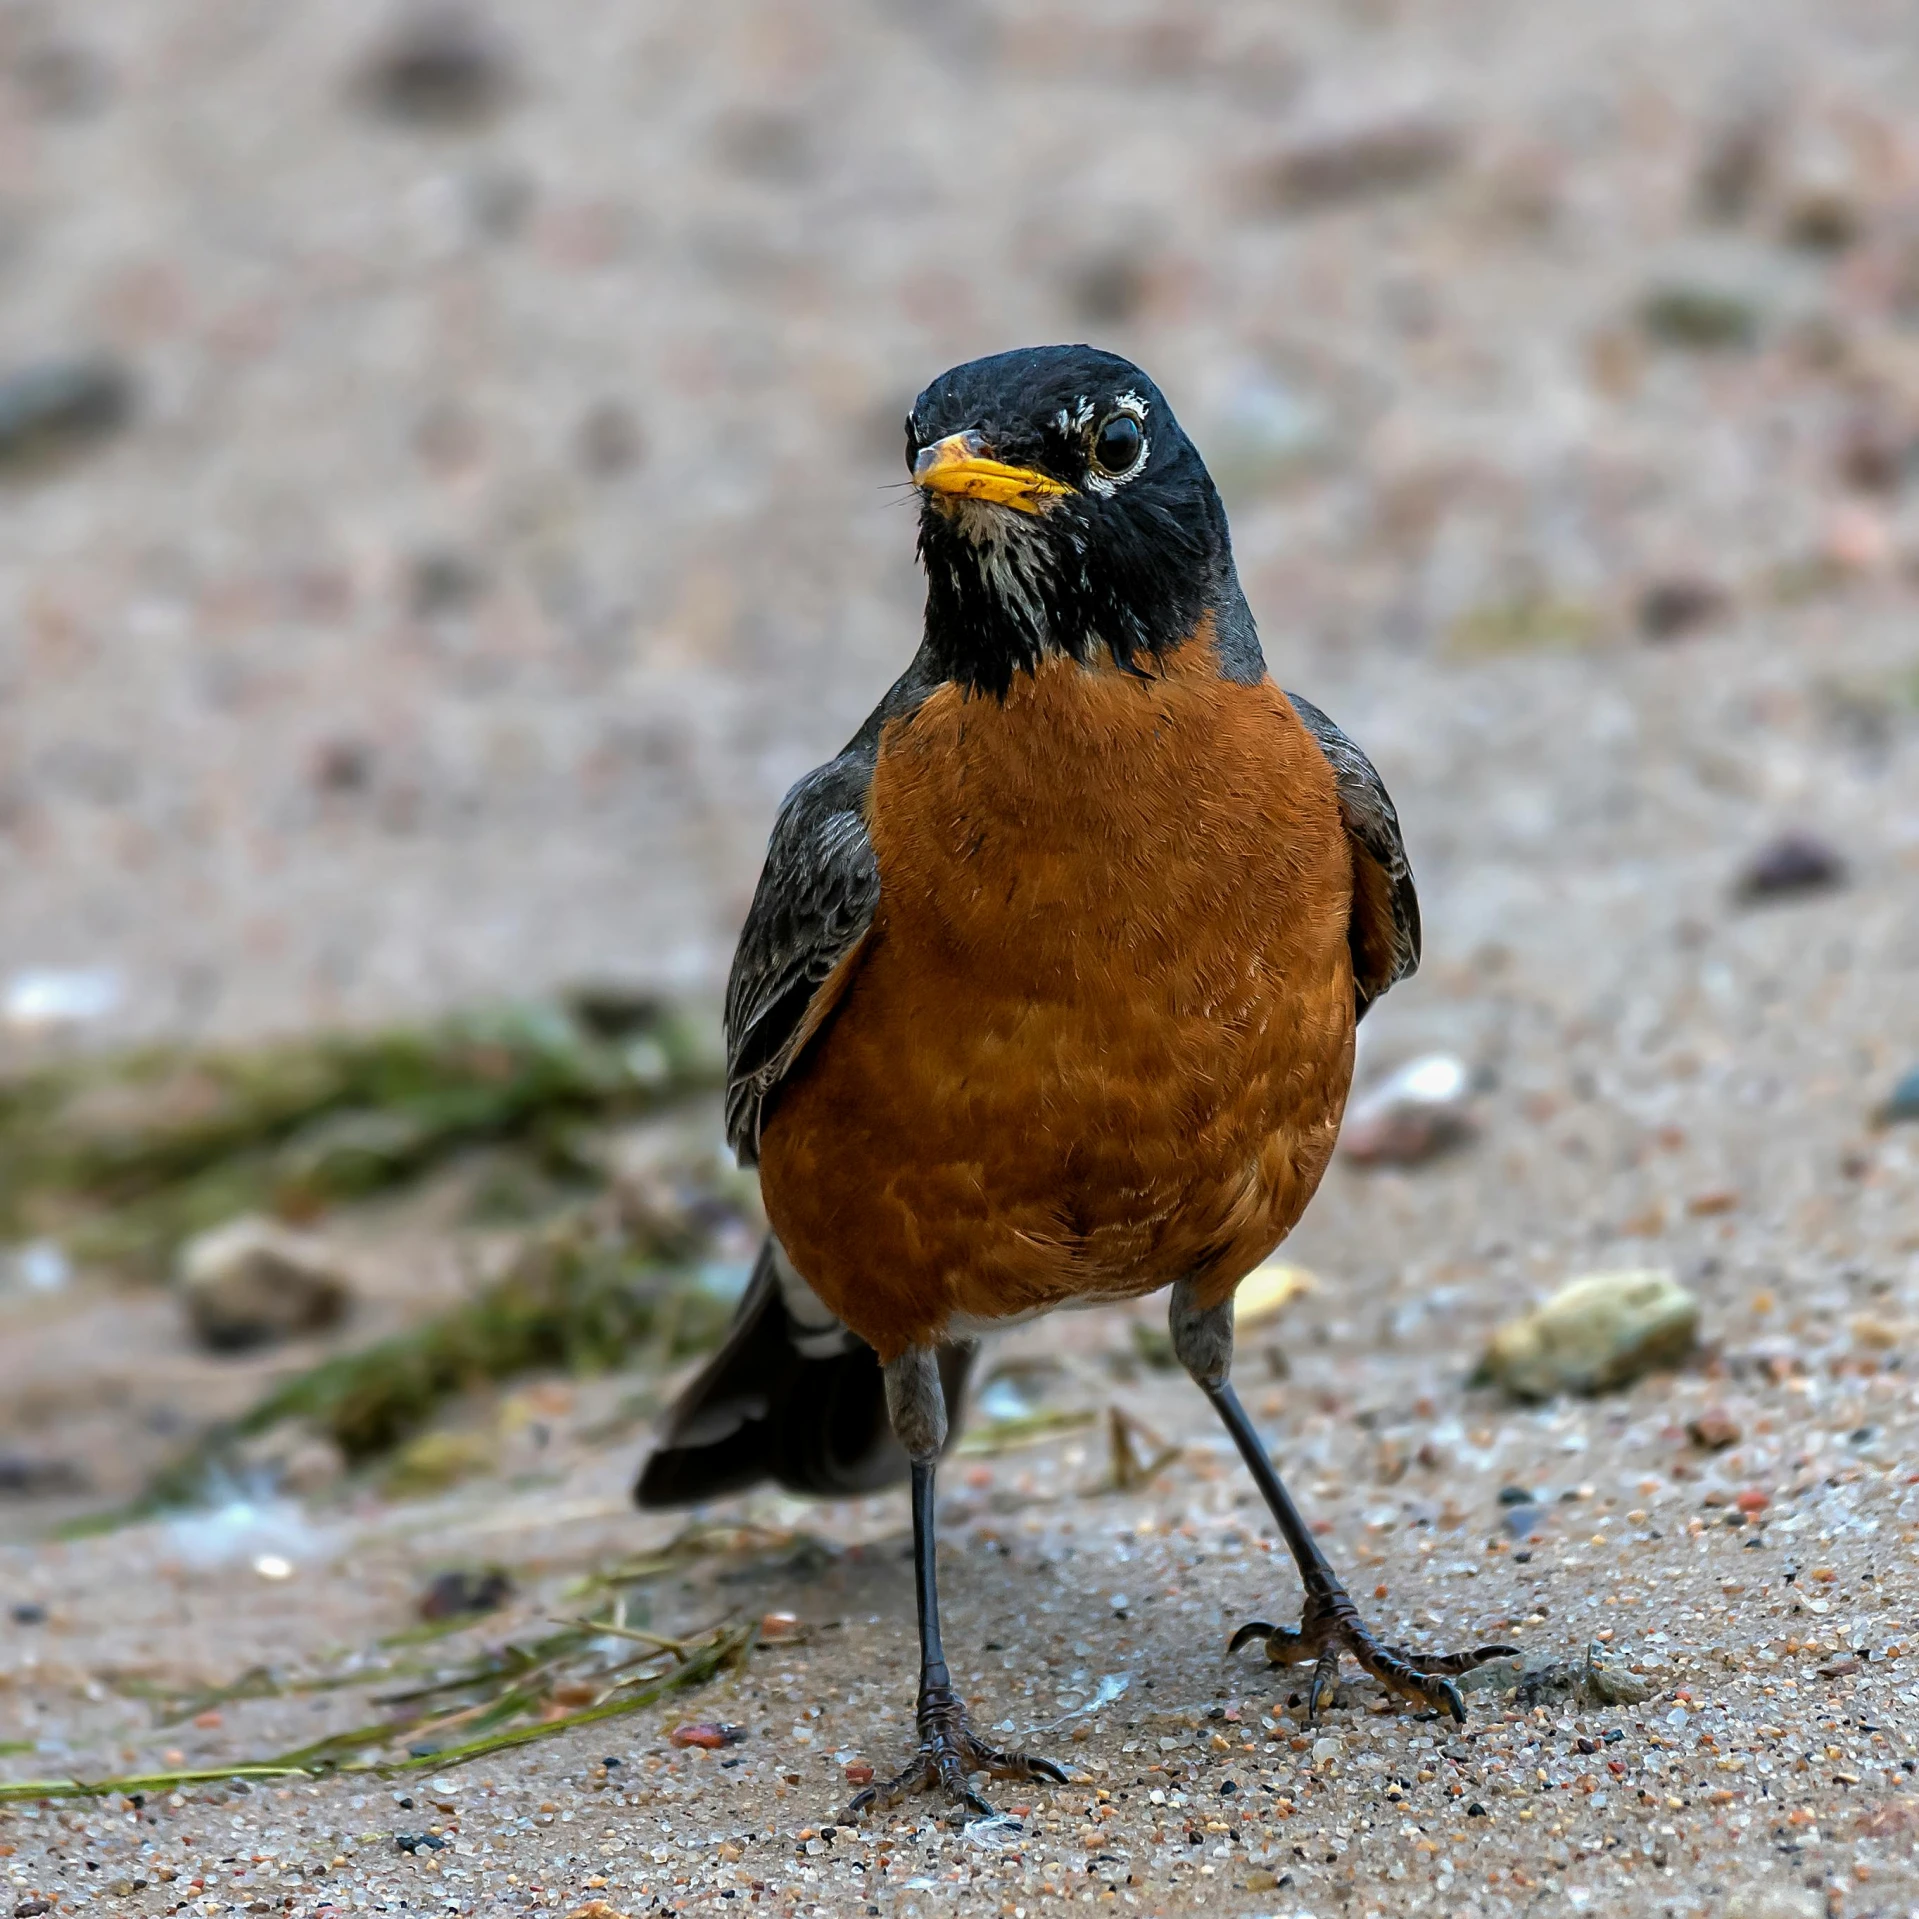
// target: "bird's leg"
[[1329, 1622], [949, 1750]]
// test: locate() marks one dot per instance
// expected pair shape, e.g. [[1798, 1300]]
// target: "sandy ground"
[[350, 680]]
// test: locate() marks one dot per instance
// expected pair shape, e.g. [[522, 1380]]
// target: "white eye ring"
[[1105, 480]]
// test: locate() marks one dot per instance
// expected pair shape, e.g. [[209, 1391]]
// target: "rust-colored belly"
[[1101, 1033]]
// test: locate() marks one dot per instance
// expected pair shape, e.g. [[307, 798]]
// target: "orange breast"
[[1100, 1035]]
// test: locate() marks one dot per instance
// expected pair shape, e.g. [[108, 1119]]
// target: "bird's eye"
[[1117, 443]]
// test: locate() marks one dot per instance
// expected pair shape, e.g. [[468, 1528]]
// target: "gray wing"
[[815, 902], [1385, 923]]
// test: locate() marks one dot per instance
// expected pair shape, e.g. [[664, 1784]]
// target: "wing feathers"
[[1385, 924], [812, 909]]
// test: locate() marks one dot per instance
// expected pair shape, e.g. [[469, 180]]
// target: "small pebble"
[[414, 1841], [1875, 453], [254, 1282], [62, 79], [1736, 163], [1681, 604], [1594, 1335], [706, 1735], [442, 582], [1361, 161], [38, 998], [1703, 318], [1903, 1103], [1822, 217], [1108, 287], [1858, 538], [1413, 1115], [24, 1477], [463, 1590], [1522, 1521], [1793, 864], [438, 68], [61, 406], [609, 440], [1714, 1430]]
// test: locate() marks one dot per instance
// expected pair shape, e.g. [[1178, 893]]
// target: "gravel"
[[502, 526]]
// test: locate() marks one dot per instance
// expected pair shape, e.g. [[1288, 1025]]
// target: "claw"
[[949, 1752], [1253, 1629], [1330, 1626], [1325, 1681]]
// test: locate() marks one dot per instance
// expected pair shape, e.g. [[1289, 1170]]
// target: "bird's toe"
[[1331, 1628]]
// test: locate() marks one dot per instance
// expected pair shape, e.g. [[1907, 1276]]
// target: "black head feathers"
[[1064, 512]]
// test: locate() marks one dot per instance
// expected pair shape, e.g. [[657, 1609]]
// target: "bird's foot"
[[949, 1752], [1330, 1625]]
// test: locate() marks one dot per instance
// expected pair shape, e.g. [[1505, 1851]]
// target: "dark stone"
[[440, 583], [60, 407], [414, 1841], [62, 80], [22, 1477], [499, 201], [612, 1009], [1672, 607], [1108, 289], [1362, 162], [1795, 863], [765, 144], [1823, 219], [467, 1590], [343, 766], [1517, 1496], [610, 441], [1875, 453], [1903, 1104], [1705, 319], [1735, 164], [439, 68]]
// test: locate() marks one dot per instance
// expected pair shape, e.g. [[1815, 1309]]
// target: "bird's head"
[[1062, 513]]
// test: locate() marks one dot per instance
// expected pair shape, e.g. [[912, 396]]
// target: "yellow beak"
[[958, 467]]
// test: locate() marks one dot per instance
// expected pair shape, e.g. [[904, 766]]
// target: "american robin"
[[1048, 991]]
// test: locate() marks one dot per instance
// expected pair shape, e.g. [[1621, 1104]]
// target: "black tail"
[[797, 1401]]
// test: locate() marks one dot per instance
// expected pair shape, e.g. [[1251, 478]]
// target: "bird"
[[1047, 994]]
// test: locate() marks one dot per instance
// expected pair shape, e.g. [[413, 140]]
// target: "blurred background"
[[446, 450], [449, 465]]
